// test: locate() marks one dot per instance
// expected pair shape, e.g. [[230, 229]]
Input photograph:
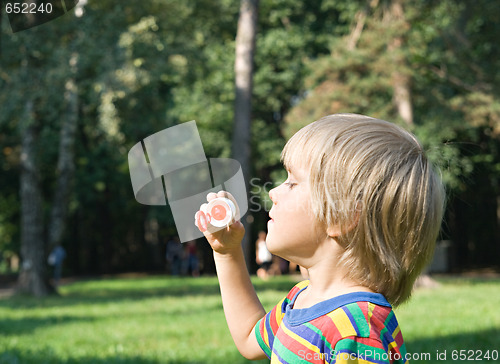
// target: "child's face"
[[292, 230]]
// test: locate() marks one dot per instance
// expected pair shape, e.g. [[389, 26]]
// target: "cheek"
[[292, 208], [286, 231], [299, 212]]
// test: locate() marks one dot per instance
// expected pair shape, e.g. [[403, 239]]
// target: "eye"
[[290, 185]]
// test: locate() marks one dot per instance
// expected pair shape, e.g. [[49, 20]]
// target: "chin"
[[270, 244], [273, 245]]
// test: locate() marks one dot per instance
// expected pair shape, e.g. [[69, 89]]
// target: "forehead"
[[298, 172], [298, 154], [297, 168]]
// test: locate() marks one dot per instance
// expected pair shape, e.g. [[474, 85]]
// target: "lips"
[[271, 219]]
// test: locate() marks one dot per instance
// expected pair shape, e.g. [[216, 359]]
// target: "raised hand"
[[227, 239]]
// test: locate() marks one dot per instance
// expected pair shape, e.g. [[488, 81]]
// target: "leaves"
[[145, 66]]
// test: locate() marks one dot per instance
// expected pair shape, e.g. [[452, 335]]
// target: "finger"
[[200, 221], [237, 224], [211, 196], [223, 194], [196, 219]]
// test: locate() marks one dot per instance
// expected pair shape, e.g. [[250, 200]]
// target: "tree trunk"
[[65, 164], [245, 49], [360, 20], [33, 277], [400, 79]]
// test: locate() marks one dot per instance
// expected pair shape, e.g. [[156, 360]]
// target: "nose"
[[272, 195]]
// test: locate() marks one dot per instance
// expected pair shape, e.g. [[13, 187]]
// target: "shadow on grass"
[[12, 357], [425, 350], [136, 289], [15, 356], [475, 346], [9, 326], [112, 290], [109, 291]]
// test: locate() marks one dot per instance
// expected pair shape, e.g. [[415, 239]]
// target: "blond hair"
[[371, 178]]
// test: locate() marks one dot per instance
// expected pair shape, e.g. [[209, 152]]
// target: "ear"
[[336, 230]]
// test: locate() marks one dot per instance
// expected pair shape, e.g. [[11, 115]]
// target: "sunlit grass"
[[141, 320], [458, 315], [180, 320]]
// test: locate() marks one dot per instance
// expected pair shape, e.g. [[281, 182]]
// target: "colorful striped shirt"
[[356, 327]]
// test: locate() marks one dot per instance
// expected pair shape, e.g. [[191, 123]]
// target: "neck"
[[328, 280]]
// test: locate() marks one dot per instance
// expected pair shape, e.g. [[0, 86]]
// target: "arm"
[[242, 307]]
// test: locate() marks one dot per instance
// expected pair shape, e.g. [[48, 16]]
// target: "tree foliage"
[[145, 66]]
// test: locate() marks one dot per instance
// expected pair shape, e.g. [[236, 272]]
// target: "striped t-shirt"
[[356, 327]]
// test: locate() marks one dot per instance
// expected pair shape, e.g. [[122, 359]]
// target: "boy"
[[361, 210]]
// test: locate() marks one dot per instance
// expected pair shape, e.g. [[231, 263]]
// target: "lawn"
[[180, 320]]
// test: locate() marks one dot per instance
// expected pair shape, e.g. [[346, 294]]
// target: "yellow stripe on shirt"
[[341, 320]]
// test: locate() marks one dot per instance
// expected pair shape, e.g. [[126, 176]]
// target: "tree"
[[65, 165], [33, 277], [401, 77], [171, 62], [243, 67]]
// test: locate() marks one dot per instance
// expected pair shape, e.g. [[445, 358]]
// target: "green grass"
[[180, 320], [459, 315]]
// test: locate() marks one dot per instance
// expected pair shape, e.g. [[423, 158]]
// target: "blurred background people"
[[174, 256], [262, 256], [192, 262], [56, 259]]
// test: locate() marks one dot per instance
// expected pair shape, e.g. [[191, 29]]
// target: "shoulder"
[[293, 293], [365, 327], [362, 319], [298, 287]]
